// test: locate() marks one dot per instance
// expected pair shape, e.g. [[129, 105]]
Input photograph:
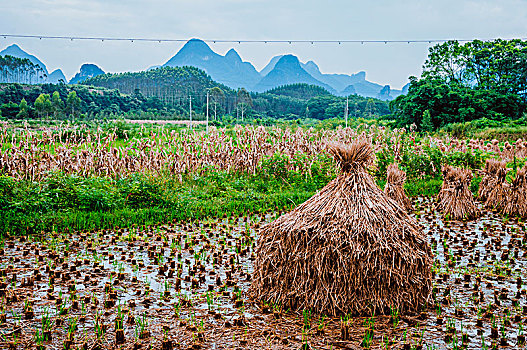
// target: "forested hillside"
[[64, 101], [169, 93], [176, 86], [172, 85]]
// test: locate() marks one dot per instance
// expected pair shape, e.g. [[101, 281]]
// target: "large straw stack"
[[490, 177], [394, 188], [516, 199], [455, 199], [347, 249]]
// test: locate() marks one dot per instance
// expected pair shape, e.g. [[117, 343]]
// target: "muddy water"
[[187, 284]]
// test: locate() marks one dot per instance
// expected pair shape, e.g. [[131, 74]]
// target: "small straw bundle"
[[497, 195], [489, 179], [346, 250], [516, 199], [394, 188], [455, 199], [448, 177]]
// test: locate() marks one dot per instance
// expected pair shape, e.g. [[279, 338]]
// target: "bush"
[[140, 190]]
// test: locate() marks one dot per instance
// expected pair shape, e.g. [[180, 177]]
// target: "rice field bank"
[[260, 238]]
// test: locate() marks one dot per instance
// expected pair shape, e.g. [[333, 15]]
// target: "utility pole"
[[346, 111], [190, 109], [207, 111]]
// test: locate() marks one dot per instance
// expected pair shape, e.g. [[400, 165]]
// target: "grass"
[[72, 203]]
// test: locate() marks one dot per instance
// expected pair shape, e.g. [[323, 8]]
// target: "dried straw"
[[516, 199], [447, 172], [455, 199], [348, 249], [394, 188], [489, 179], [497, 195]]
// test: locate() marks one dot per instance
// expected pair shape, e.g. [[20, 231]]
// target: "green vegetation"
[[290, 102], [71, 202], [462, 83], [60, 101], [59, 201], [508, 130]]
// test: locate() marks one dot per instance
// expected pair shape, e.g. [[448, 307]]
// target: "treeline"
[[14, 69], [176, 86], [169, 93], [60, 101], [465, 82], [173, 86]]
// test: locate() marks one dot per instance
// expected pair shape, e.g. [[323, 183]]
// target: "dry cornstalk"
[[347, 249]]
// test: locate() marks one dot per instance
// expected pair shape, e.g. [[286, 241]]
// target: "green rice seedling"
[[177, 309], [394, 316], [306, 313], [39, 339], [210, 300], [71, 327]]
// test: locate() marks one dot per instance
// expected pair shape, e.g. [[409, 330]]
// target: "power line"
[[232, 41]]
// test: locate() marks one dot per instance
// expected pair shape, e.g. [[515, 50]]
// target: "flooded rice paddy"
[[186, 286]]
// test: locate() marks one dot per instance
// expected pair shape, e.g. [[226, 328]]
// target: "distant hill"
[[269, 67], [229, 69], [56, 77], [288, 70], [338, 81], [339, 84], [87, 71], [15, 51]]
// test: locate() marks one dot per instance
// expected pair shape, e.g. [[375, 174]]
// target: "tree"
[[73, 103], [218, 97], [466, 82], [57, 104], [370, 108], [24, 110], [43, 105], [427, 124], [9, 110], [243, 101]]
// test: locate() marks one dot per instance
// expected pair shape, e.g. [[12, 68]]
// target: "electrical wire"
[[232, 41]]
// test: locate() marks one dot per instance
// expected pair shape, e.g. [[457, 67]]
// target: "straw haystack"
[[499, 189], [490, 177], [394, 188], [516, 199], [455, 199], [347, 249]]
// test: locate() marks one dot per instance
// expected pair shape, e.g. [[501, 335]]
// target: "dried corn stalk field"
[[33, 154]]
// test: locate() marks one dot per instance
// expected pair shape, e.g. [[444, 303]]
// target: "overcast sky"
[[257, 19]]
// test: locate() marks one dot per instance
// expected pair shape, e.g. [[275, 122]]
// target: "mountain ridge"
[[87, 71], [232, 71], [288, 70]]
